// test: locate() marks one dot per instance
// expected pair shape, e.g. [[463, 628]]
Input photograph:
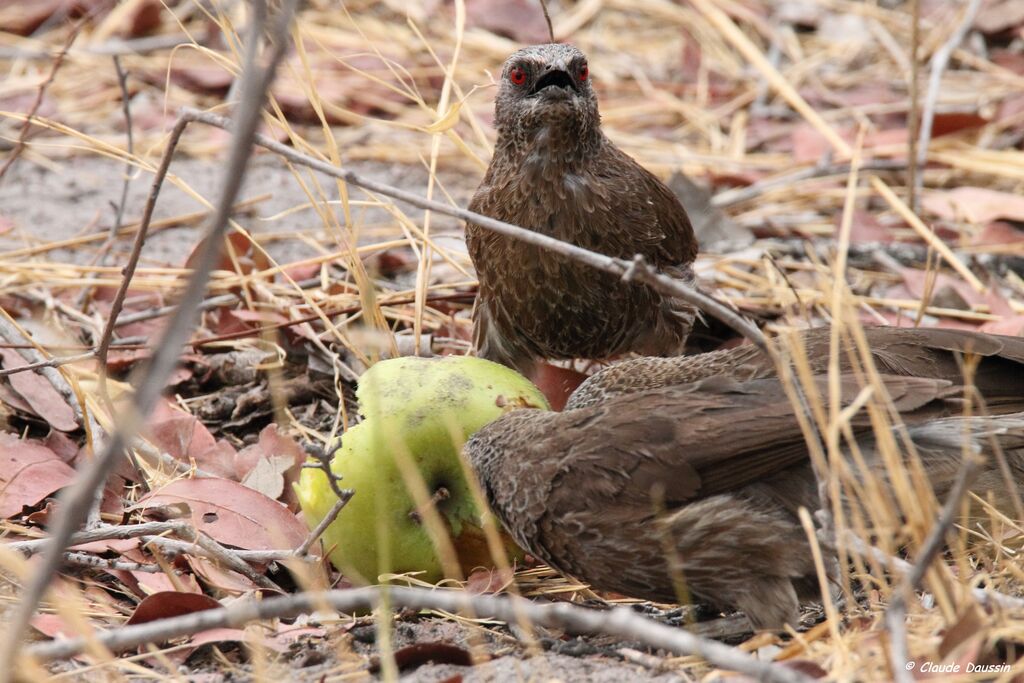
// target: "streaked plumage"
[[672, 464]]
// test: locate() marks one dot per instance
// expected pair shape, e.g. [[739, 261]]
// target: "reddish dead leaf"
[[864, 228], [416, 655], [184, 437], [144, 584], [974, 204], [143, 19], [59, 443], [223, 580], [515, 19], [39, 393], [170, 604], [488, 581], [303, 271], [1012, 326], [947, 123], [947, 291], [28, 473], [52, 626], [22, 17], [998, 232], [999, 16], [231, 513], [239, 250], [556, 383], [6, 225], [279, 459]]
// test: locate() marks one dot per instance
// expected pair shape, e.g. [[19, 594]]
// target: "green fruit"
[[417, 411]]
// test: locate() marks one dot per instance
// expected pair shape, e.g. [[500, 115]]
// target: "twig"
[[620, 622], [229, 558], [896, 612], [58, 61], [150, 379], [902, 567], [133, 258], [121, 531], [172, 546], [547, 18], [915, 104], [87, 560], [733, 197], [115, 228], [55, 362], [940, 58]]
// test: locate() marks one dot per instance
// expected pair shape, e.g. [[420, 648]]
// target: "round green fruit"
[[417, 414]]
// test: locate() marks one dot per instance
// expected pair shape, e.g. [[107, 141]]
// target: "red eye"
[[584, 72], [517, 75]]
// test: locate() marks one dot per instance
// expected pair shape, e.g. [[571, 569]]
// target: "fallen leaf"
[[998, 232], [170, 604], [184, 437], [974, 204], [287, 457], [28, 473], [515, 19], [231, 513], [39, 393]]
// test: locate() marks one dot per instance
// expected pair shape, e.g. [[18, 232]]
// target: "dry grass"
[[370, 83]]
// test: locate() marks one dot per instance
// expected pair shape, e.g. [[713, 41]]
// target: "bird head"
[[546, 89]]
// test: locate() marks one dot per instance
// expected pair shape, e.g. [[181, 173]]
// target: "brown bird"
[[686, 472], [554, 171]]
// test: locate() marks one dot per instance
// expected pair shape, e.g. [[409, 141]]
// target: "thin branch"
[[620, 622], [121, 531], [55, 362], [88, 560], [58, 61], [940, 58], [150, 379], [896, 612], [915, 104], [547, 18]]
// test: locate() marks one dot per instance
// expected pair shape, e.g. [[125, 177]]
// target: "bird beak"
[[555, 74]]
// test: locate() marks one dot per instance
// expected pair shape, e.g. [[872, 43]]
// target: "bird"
[[680, 479], [555, 172]]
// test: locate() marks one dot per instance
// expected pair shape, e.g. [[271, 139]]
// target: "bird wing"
[[649, 213], [680, 444]]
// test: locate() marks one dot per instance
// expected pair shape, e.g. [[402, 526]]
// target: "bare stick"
[[151, 378], [616, 266], [620, 622], [57, 62], [896, 612], [547, 18], [912, 114], [940, 58], [87, 560], [172, 546], [133, 258], [51, 363], [102, 534]]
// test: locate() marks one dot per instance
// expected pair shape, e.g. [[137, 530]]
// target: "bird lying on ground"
[[554, 171], [680, 475]]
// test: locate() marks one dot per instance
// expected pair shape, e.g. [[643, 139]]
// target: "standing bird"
[[554, 171], [701, 479]]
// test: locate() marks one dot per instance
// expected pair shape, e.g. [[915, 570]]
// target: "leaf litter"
[[283, 336]]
